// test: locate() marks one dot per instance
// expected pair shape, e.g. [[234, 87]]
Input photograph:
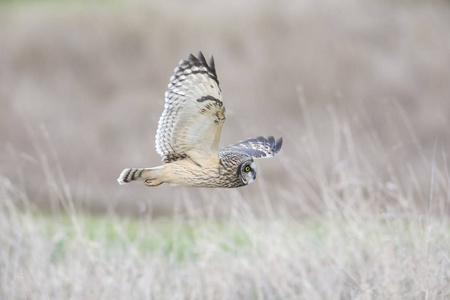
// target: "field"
[[355, 206], [237, 258]]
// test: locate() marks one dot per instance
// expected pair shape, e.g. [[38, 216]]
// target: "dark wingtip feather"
[[212, 65], [271, 141], [278, 145], [192, 59], [202, 59]]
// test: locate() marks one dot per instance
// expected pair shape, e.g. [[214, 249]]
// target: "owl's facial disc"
[[247, 173]]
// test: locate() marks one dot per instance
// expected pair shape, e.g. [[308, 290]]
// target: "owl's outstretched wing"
[[193, 112], [257, 148]]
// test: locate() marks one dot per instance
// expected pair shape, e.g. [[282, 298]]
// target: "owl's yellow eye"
[[247, 169]]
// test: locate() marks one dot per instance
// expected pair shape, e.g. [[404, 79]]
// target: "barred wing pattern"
[[193, 112], [257, 148]]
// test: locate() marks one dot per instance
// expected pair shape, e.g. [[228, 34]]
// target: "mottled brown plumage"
[[189, 132]]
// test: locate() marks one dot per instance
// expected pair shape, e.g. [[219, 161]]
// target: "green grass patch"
[[179, 241]]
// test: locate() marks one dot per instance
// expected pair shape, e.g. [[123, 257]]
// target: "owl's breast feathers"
[[205, 172]]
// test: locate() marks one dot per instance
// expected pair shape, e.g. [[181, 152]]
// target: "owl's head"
[[247, 171]]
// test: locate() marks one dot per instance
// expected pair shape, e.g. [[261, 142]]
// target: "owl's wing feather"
[[193, 112], [257, 148]]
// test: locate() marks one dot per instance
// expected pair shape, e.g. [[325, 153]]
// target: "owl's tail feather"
[[148, 175]]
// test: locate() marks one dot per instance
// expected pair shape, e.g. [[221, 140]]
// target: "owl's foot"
[[152, 182]]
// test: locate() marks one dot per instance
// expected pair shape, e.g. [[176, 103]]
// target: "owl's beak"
[[252, 174], [244, 181]]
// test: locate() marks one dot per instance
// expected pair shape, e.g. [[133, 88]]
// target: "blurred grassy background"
[[359, 90]]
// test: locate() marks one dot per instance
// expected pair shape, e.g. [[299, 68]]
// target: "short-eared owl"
[[189, 131]]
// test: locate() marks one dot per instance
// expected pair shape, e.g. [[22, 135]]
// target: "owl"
[[189, 132]]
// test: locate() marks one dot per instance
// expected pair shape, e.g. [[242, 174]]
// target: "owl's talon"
[[152, 182]]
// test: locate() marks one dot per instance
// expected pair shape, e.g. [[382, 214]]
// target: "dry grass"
[[237, 258], [355, 206]]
